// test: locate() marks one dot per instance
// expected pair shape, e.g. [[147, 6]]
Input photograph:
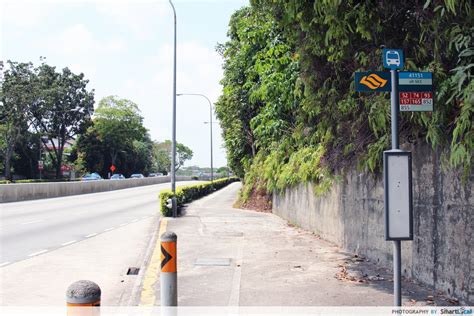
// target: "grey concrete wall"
[[352, 216], [33, 191]]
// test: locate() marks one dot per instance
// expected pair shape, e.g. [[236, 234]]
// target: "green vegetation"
[[162, 152], [40, 102], [47, 115], [189, 193], [289, 112]]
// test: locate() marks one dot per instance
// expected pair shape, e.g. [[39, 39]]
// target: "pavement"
[[235, 257]]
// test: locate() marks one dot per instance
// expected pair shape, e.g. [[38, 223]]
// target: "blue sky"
[[125, 48]]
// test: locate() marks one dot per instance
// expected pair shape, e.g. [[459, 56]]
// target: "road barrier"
[[169, 274], [16, 192], [80, 294]]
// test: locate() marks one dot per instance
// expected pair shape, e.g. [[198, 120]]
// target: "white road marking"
[[91, 235], [37, 253], [121, 225], [4, 263], [32, 222], [144, 217], [108, 229], [134, 221], [68, 243]]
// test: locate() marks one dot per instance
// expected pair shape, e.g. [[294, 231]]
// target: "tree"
[[116, 137], [288, 110], [64, 110], [162, 153], [18, 94], [118, 123]]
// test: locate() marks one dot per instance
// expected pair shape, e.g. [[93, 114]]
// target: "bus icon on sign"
[[393, 58]]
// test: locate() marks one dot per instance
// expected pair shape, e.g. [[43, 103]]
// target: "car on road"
[[137, 176], [117, 176], [91, 177], [157, 174]]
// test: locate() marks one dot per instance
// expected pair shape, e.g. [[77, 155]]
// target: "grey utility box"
[[398, 195]]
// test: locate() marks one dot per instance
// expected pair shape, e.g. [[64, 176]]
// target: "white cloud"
[[141, 18], [78, 40]]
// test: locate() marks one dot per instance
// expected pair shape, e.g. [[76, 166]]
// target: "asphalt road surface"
[[33, 228]]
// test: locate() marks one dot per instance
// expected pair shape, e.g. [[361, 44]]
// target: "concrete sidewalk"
[[233, 257]]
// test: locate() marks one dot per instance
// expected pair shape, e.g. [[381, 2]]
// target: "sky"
[[125, 48]]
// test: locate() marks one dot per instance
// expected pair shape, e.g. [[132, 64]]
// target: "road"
[[33, 228], [45, 245]]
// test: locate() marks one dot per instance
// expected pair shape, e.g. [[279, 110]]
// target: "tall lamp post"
[[210, 120], [173, 141]]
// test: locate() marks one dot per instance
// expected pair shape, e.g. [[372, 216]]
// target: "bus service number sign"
[[416, 101], [415, 91]]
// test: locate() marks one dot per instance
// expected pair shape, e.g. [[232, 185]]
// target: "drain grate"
[[133, 271]]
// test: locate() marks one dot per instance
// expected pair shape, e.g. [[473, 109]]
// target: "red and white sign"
[[40, 165], [416, 101], [66, 168], [112, 168]]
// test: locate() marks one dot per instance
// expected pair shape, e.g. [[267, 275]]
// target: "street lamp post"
[[210, 120], [173, 141]]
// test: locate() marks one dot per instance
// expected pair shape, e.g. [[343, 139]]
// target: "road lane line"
[[32, 222], [38, 253], [4, 263], [91, 235], [68, 243], [108, 229], [147, 297]]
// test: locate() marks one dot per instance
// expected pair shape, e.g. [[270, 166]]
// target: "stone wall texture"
[[352, 216]]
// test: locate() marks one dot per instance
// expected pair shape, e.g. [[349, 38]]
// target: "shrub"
[[189, 193]]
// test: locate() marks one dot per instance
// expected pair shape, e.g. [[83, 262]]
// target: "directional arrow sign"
[[168, 257], [373, 81]]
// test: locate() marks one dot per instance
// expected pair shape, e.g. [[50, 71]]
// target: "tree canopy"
[[288, 110]]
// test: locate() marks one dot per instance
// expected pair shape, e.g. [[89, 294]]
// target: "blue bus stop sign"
[[392, 58]]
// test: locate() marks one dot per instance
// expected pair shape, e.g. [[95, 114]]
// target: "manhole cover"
[[133, 271], [212, 262]]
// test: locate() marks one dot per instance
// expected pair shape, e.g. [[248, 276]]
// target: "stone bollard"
[[169, 275], [82, 294]]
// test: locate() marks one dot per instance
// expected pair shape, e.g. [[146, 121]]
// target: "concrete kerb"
[[134, 299]]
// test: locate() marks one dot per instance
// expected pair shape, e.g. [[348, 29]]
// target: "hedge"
[[189, 193]]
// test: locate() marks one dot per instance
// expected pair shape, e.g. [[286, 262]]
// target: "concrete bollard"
[[82, 294], [169, 275]]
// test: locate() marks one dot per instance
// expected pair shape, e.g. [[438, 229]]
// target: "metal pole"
[[397, 245], [394, 108], [210, 118], [173, 141], [210, 122], [169, 273]]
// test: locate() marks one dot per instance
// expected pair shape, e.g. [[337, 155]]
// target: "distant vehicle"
[[393, 58], [91, 177], [137, 176], [156, 174], [117, 176]]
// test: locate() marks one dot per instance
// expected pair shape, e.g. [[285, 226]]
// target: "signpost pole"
[[397, 245]]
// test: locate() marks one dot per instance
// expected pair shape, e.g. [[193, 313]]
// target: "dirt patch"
[[259, 201]]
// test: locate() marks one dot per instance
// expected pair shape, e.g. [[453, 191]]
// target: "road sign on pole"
[[40, 165], [416, 91], [112, 168], [372, 81], [393, 58]]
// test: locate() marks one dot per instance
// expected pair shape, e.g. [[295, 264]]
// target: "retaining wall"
[[32, 191], [352, 216]]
